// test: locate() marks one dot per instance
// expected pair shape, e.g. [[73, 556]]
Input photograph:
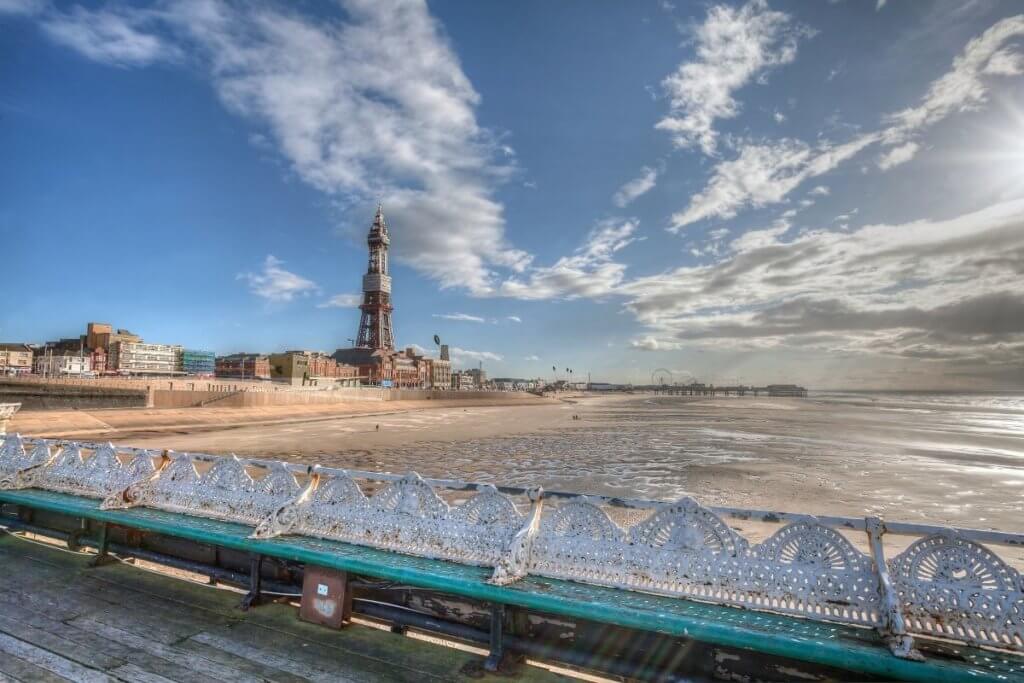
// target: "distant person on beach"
[[378, 428]]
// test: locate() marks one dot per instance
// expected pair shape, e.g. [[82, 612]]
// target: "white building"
[[62, 365], [126, 357]]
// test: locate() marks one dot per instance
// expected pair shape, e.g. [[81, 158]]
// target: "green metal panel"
[[845, 647]]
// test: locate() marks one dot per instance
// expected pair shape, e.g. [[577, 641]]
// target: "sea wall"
[[39, 396]]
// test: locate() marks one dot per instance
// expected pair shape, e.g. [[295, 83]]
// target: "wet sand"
[[807, 455], [906, 459]]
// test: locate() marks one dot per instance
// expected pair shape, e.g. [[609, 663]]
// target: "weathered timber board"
[[61, 620]]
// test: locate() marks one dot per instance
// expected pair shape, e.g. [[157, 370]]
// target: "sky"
[[827, 193]]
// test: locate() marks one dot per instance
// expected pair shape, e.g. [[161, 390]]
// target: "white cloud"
[[359, 118], [652, 344], [764, 173], [963, 88], [356, 117], [733, 47], [463, 357], [464, 317], [897, 155], [637, 186], [779, 117], [820, 191], [469, 357], [342, 301], [275, 284], [117, 38], [532, 358], [941, 290], [589, 272], [513, 318]]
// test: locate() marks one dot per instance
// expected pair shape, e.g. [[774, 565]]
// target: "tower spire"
[[375, 330]]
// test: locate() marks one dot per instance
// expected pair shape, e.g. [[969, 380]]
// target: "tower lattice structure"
[[375, 329]]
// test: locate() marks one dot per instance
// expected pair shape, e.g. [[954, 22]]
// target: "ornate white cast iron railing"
[[945, 584]]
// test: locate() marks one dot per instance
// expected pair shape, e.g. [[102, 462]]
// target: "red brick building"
[[324, 365], [243, 366], [99, 360]]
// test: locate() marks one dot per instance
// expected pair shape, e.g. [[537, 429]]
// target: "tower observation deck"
[[375, 331]]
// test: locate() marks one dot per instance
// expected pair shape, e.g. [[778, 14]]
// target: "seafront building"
[[374, 356], [15, 359], [198, 363], [515, 384], [102, 335], [243, 366], [310, 368], [462, 380], [133, 358], [63, 364], [122, 352]]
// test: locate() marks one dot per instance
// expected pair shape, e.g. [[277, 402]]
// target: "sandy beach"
[[922, 461]]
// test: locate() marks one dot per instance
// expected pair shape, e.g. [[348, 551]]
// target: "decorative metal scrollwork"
[[410, 495], [95, 476], [807, 567], [488, 508], [687, 525], [580, 519], [16, 463], [405, 516], [950, 586], [226, 491]]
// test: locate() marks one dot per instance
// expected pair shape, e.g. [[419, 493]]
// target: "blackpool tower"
[[375, 323]]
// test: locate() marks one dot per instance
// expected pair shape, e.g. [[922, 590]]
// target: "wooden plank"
[[17, 669], [253, 669], [192, 668], [89, 657], [131, 672], [88, 638], [294, 662], [41, 601], [150, 638], [44, 659]]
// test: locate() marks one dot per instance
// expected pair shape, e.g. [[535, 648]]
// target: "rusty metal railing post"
[[103, 543], [497, 643], [252, 598]]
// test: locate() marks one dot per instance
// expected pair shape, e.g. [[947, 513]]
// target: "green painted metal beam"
[[844, 647]]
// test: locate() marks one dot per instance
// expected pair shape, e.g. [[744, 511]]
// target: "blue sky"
[[828, 193]]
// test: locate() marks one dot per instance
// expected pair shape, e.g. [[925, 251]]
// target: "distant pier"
[[700, 389]]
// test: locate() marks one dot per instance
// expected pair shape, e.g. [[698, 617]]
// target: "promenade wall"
[[39, 396], [38, 393]]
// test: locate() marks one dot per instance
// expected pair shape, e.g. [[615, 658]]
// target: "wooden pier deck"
[[61, 620]]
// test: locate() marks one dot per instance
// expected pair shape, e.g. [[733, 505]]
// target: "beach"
[[925, 458]]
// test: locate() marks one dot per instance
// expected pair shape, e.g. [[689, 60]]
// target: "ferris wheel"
[[662, 377]]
